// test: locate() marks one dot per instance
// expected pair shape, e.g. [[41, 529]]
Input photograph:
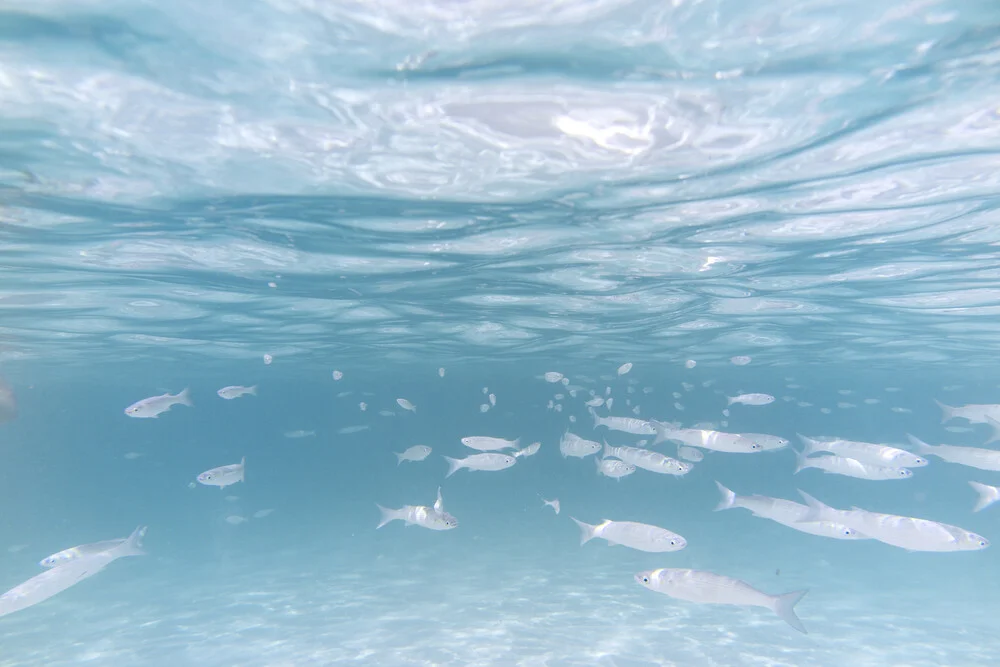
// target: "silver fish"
[[750, 399], [433, 518], [224, 476], [490, 461], [647, 460], [614, 468], [839, 465], [974, 457], [414, 453], [787, 513], [485, 443], [639, 536], [154, 406], [236, 391], [573, 445], [866, 452]]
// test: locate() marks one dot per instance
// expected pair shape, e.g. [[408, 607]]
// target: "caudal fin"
[[987, 495], [947, 412], [921, 446], [399, 458], [252, 390], [593, 413], [388, 515], [817, 510], [728, 500], [995, 425], [454, 465], [133, 545], [810, 445], [608, 450], [801, 460], [184, 398], [784, 607], [587, 532], [662, 431]]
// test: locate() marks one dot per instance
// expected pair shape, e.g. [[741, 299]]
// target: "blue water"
[[499, 189]]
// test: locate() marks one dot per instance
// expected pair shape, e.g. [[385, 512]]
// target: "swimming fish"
[[553, 377], [974, 457], [624, 368], [719, 441], [57, 579], [865, 452], [236, 391], [573, 445], [787, 513], [490, 461], [485, 443], [750, 399], [154, 406], [224, 476], [414, 453], [691, 454], [299, 434], [705, 587], [839, 465], [648, 460], [614, 468], [85, 550], [900, 531], [987, 495], [554, 504], [624, 424], [976, 414], [639, 536], [433, 518], [530, 450], [406, 405]]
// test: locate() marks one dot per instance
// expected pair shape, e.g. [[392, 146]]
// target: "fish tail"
[[801, 461], [995, 425], [920, 445], [608, 450], [947, 411], [454, 465], [252, 390], [784, 607], [133, 545], [593, 413], [184, 397], [810, 445], [517, 444], [661, 431], [243, 469], [388, 514], [730, 400], [587, 532], [987, 495], [399, 458], [728, 500], [817, 510]]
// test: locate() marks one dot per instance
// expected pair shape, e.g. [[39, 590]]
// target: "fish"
[[432, 518], [224, 476], [485, 443], [974, 457], [987, 495], [347, 430], [573, 445], [648, 460], [865, 452], [337, 375], [624, 368], [689, 454], [624, 424], [750, 399], [554, 504], [55, 580], [236, 391], [614, 468], [973, 413], [530, 450], [787, 513], [299, 434], [441, 372], [638, 536], [493, 400], [490, 461], [406, 405], [741, 360], [154, 406], [595, 402], [8, 402], [94, 548], [235, 519], [260, 514], [839, 465], [905, 532], [719, 441], [414, 453], [553, 377], [705, 587]]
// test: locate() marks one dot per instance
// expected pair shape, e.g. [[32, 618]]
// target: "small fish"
[[235, 519], [484, 408], [299, 434], [750, 399], [573, 445], [866, 452], [690, 363], [840, 465], [624, 424], [345, 394], [904, 411], [260, 514], [347, 430], [624, 368], [490, 461], [406, 405], [554, 504], [132, 456], [987, 495], [387, 413], [268, 359], [872, 401], [232, 499], [704, 587], [224, 476], [559, 397], [530, 450], [14, 548], [154, 406], [846, 406], [363, 406], [486, 390], [638, 536], [741, 360], [433, 518], [236, 391], [493, 399], [337, 375], [689, 454], [553, 377], [787, 513], [648, 460], [958, 429], [974, 457], [614, 468], [485, 443], [414, 454], [975, 414], [845, 392]]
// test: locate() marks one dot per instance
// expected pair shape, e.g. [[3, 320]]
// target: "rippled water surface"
[[791, 197]]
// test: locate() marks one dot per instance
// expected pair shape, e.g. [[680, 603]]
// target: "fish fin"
[[995, 425], [587, 531], [817, 510], [729, 401], [133, 545], [987, 495], [661, 432], [801, 461], [252, 390], [454, 465], [728, 500], [784, 607], [920, 445], [399, 458], [593, 413], [184, 398], [517, 444], [607, 450], [439, 503], [947, 412], [810, 445], [387, 515]]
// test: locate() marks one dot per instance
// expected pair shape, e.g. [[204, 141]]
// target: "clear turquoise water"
[[499, 189]]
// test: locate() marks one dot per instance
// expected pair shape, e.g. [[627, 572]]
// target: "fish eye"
[[645, 580], [848, 531]]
